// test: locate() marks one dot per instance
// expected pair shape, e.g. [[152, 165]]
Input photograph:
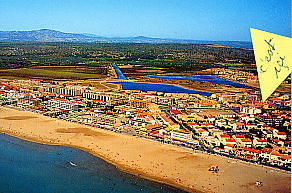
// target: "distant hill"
[[43, 35], [47, 35]]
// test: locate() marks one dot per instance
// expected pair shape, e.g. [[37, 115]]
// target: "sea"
[[27, 167]]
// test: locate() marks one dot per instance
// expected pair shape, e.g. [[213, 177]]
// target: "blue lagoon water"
[[212, 79], [119, 72], [159, 88], [147, 71], [27, 167]]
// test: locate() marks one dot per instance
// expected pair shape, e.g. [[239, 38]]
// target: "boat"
[[72, 164]]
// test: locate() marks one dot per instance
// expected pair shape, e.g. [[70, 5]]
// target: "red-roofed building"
[[167, 120], [251, 153], [287, 143], [280, 135], [224, 136], [229, 141], [202, 132], [239, 136], [154, 132], [220, 123], [6, 87], [267, 150], [260, 142], [175, 112], [207, 125], [278, 142], [245, 142], [229, 147], [255, 151], [192, 123], [285, 157], [280, 159]]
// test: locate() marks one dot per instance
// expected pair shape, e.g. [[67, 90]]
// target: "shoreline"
[[120, 167], [121, 150], [117, 165]]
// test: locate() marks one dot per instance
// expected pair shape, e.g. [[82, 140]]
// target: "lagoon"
[[119, 72], [167, 88], [212, 79]]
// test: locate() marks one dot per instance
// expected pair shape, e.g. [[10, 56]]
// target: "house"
[[251, 110], [273, 130], [238, 137], [246, 118], [167, 121], [239, 127], [250, 126], [245, 142], [229, 147], [280, 159], [153, 126], [206, 104], [162, 132], [266, 153], [267, 133], [58, 103], [229, 141], [280, 135], [180, 135], [212, 141], [202, 132], [224, 136], [250, 153], [216, 133], [278, 142], [260, 142], [220, 123]]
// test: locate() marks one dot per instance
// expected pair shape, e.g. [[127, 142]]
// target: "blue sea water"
[[212, 79], [27, 167], [159, 88]]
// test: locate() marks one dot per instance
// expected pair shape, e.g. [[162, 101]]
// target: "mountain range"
[[47, 35]]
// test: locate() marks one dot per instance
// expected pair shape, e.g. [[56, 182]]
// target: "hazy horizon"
[[97, 35]]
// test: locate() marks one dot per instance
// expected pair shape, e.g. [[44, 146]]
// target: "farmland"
[[70, 72]]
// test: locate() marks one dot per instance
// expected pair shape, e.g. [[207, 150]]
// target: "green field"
[[50, 73]]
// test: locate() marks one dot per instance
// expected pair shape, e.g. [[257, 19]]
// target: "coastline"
[[119, 166], [164, 163]]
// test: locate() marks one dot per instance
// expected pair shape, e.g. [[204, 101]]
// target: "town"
[[236, 125], [148, 96]]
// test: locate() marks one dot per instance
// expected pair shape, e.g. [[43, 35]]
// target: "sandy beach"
[[172, 165]]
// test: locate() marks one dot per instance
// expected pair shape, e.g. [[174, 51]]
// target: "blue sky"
[[182, 19]]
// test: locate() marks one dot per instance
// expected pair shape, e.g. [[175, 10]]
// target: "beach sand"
[[166, 163]]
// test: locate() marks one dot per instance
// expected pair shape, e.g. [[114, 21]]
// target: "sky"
[[180, 19]]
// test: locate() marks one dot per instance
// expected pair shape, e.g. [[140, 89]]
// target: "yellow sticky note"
[[273, 55]]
